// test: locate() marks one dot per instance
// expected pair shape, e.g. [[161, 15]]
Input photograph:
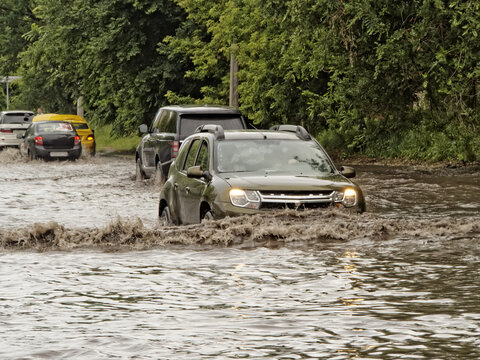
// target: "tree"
[[382, 77], [15, 19], [111, 53]]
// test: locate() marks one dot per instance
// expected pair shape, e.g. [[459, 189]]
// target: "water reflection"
[[229, 303], [398, 282]]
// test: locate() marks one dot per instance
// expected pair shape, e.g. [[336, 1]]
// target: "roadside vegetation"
[[381, 78], [107, 141]]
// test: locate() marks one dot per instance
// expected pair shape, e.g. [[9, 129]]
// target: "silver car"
[[12, 123]]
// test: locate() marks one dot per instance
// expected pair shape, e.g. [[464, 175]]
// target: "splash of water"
[[271, 229], [10, 156]]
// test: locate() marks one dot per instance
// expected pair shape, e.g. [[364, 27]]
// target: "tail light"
[[175, 146], [77, 140], [6, 130], [39, 140]]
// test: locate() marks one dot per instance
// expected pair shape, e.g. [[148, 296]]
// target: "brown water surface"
[[88, 273]]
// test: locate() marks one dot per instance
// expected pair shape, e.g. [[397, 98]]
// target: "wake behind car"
[[51, 140], [171, 125], [11, 124], [221, 173]]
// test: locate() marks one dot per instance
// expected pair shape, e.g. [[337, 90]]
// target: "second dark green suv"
[[221, 173], [171, 125]]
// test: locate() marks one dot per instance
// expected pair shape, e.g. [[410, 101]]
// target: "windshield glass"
[[17, 118], [189, 123], [293, 156], [54, 127]]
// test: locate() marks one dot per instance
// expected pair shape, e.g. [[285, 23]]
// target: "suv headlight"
[[348, 197], [245, 198]]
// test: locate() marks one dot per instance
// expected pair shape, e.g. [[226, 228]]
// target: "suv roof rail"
[[217, 130], [297, 129]]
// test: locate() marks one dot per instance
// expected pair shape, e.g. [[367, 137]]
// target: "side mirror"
[[20, 136], [194, 172], [143, 129], [197, 173], [347, 171]]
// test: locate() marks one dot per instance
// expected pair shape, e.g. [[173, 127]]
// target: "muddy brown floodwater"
[[87, 272]]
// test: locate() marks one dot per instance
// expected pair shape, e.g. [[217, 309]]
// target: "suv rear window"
[[17, 118], [188, 123], [80, 126]]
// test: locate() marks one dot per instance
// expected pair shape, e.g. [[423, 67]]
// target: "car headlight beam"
[[245, 198], [349, 198]]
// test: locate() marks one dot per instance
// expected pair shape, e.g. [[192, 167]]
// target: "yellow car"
[[83, 129]]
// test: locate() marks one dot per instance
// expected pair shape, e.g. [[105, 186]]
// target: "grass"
[[108, 143]]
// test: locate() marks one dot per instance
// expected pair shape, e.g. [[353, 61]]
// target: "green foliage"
[[111, 52], [380, 77], [15, 19]]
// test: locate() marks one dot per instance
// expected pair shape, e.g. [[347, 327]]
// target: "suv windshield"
[[188, 123], [17, 118], [292, 156]]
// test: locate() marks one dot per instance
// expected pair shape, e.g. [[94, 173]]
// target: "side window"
[[172, 122], [192, 154], [202, 159], [166, 122], [181, 155], [156, 120]]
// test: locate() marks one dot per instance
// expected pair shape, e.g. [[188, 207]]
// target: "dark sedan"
[[51, 140]]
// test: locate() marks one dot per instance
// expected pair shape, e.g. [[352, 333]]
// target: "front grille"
[[271, 205], [297, 193], [296, 199]]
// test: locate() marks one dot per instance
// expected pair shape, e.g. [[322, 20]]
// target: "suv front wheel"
[[164, 217], [206, 215]]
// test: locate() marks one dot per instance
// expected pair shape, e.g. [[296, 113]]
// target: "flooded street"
[[87, 272]]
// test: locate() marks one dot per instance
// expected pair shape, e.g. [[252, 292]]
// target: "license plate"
[[58, 153]]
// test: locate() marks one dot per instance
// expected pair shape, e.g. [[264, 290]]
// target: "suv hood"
[[286, 182]]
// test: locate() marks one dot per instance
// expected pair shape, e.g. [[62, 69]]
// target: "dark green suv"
[[171, 125], [221, 173]]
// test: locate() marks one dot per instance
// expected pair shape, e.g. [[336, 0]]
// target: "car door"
[[184, 185], [194, 193]]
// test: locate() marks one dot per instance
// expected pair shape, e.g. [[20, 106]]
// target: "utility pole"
[[8, 79], [80, 110], [233, 98]]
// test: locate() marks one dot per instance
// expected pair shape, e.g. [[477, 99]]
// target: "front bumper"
[[278, 200], [223, 209]]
